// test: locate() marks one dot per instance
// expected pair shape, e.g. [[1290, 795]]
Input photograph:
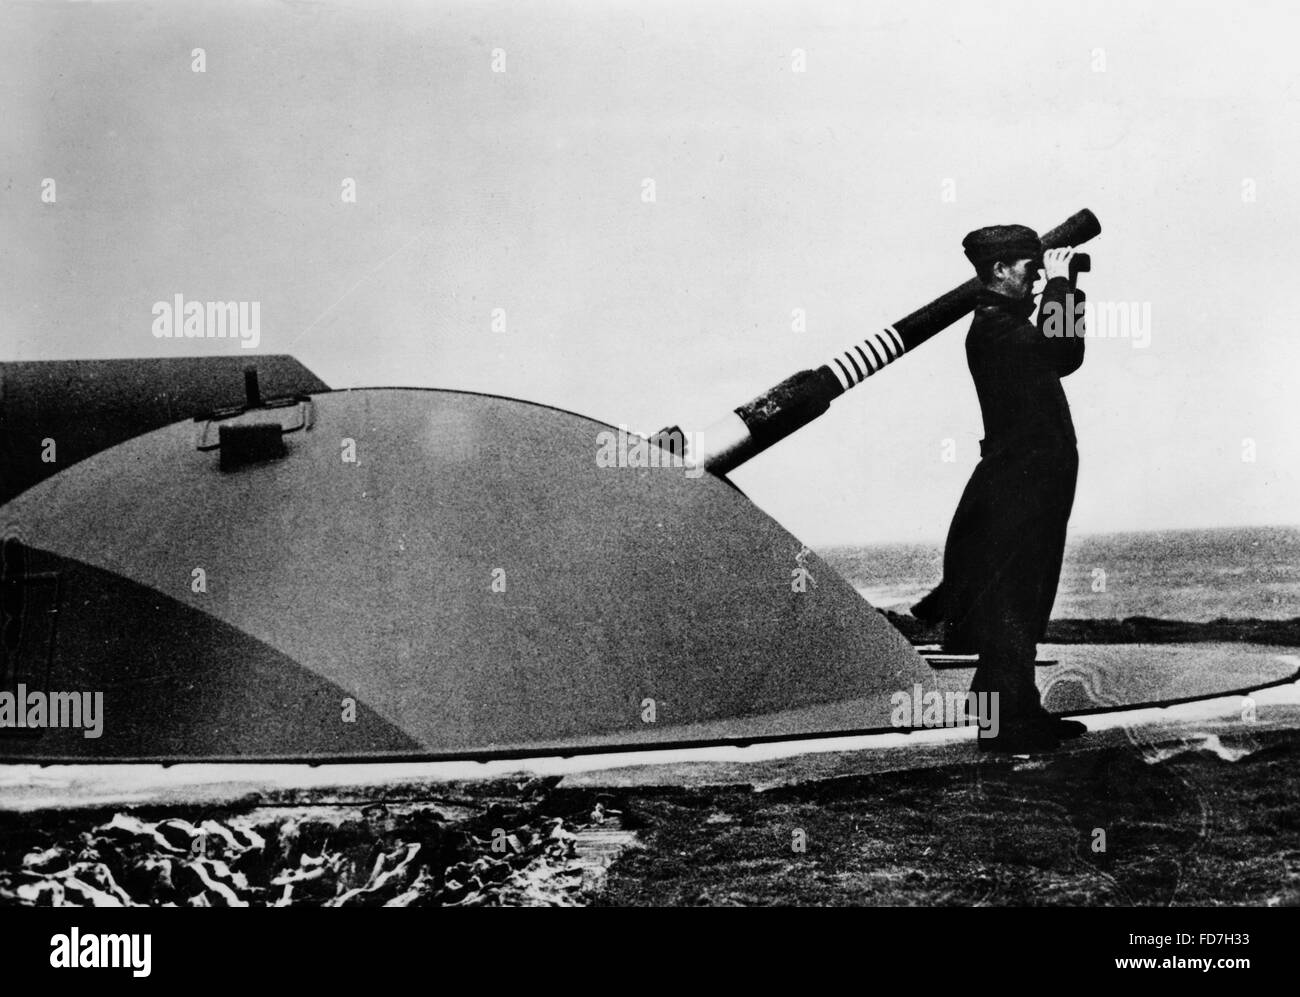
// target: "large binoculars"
[[1079, 263]]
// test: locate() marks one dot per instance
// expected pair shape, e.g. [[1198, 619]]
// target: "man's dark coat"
[[1002, 561]]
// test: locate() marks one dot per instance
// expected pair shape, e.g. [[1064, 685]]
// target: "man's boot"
[[1021, 737]]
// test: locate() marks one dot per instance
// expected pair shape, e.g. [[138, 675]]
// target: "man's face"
[[1016, 280]]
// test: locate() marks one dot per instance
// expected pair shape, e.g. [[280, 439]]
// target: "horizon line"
[[1069, 538]]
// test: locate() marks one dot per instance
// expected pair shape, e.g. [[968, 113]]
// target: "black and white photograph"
[[649, 453]]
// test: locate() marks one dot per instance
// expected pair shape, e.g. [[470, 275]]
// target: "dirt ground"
[[1193, 818], [1117, 826]]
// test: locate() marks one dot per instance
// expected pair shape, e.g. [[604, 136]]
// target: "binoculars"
[[1079, 263]]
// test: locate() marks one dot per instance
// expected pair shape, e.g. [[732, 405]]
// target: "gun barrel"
[[798, 400]]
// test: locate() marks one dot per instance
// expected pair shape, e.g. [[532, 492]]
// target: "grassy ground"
[[1128, 816], [1191, 829]]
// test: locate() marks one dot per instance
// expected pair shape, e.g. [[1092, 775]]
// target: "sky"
[[810, 156]]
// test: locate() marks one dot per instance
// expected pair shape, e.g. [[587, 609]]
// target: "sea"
[[1193, 575]]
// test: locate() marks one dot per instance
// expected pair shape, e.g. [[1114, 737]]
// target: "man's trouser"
[[1005, 550]]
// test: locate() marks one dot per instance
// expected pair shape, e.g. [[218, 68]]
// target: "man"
[[1002, 561]]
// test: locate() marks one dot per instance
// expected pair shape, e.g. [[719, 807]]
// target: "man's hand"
[[1056, 262]]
